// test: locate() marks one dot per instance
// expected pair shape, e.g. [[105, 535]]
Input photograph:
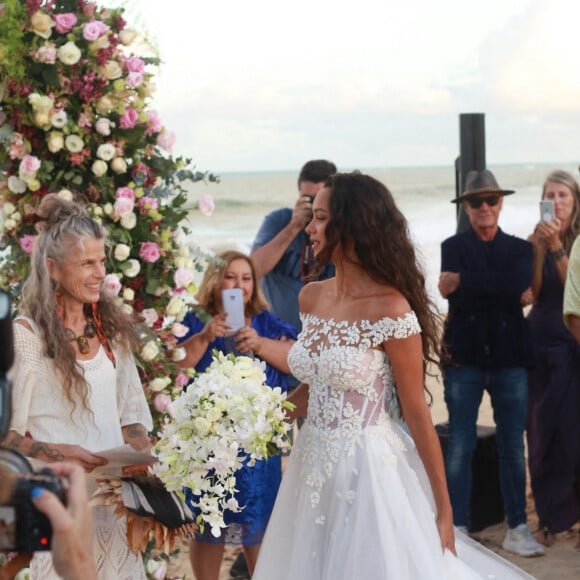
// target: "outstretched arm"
[[52, 452]]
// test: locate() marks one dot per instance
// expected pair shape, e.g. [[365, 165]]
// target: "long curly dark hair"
[[364, 213]]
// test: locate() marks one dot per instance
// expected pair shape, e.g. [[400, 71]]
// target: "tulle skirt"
[[366, 513]]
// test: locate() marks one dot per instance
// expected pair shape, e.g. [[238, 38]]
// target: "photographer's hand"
[[71, 525]]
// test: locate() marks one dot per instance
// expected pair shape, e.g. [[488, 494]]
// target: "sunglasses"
[[477, 202]]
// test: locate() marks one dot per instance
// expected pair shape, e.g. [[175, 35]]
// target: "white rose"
[[69, 53], [119, 165], [150, 315], [108, 208], [65, 194], [8, 208], [103, 126], [106, 151], [175, 307], [16, 185], [104, 105], [122, 252], [158, 384], [179, 330], [9, 224], [16, 217], [40, 103], [112, 70], [74, 143], [178, 354], [129, 221], [99, 168], [127, 36], [55, 141], [59, 119], [128, 294], [133, 269], [150, 351]]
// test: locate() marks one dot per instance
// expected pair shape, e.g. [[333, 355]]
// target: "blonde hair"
[[63, 226], [214, 276], [563, 177]]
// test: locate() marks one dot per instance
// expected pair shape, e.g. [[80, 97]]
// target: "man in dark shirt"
[[486, 276]]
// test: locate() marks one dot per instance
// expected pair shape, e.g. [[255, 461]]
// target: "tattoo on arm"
[[39, 448], [14, 440]]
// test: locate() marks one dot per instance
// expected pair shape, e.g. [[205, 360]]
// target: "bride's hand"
[[447, 534]]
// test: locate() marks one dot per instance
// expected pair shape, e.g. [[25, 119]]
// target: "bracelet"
[[558, 254]]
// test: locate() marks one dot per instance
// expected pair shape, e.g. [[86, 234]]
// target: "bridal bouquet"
[[226, 416]]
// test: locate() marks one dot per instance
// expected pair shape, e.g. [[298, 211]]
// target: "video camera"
[[22, 527]]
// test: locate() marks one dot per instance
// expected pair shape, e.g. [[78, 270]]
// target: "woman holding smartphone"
[[553, 427], [266, 337]]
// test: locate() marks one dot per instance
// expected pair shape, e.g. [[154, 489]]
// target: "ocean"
[[422, 193]]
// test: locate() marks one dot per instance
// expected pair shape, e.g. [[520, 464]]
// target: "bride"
[[360, 497]]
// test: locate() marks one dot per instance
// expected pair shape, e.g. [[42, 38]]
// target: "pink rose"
[[27, 243], [161, 401], [112, 284], [183, 277], [149, 252], [166, 140], [150, 315], [147, 204], [94, 30], [29, 165], [123, 207], [135, 64], [64, 22], [46, 54], [206, 204], [179, 330], [154, 123], [134, 80], [126, 192], [129, 118], [181, 379]]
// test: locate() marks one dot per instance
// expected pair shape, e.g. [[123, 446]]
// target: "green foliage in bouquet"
[[75, 90]]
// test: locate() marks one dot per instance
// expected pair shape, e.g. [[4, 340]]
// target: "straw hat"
[[481, 182]]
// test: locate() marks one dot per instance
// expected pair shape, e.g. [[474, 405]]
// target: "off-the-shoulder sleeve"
[[401, 327], [133, 406], [24, 373]]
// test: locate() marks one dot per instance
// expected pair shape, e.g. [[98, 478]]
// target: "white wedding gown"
[[355, 501]]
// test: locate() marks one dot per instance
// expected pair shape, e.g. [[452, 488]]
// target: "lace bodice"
[[350, 380], [351, 387]]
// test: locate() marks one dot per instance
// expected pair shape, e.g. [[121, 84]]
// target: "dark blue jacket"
[[485, 326]]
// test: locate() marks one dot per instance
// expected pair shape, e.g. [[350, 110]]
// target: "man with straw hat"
[[486, 276]]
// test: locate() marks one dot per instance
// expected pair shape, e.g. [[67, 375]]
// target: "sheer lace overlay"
[[351, 386], [355, 500]]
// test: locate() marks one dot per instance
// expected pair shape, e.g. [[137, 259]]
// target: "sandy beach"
[[562, 560]]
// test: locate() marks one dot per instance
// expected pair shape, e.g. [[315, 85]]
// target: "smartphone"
[[547, 213], [233, 303]]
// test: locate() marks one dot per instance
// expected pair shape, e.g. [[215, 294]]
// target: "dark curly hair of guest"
[[364, 213]]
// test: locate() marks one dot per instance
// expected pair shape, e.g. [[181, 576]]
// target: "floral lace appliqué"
[[351, 388]]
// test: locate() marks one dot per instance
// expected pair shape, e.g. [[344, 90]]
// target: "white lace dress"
[[355, 501], [41, 409]]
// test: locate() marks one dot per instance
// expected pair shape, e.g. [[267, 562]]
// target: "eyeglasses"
[[477, 202]]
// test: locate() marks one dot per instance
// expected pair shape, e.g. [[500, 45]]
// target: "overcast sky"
[[264, 85]]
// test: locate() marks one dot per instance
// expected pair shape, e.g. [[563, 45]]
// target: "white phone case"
[[233, 302], [547, 210]]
